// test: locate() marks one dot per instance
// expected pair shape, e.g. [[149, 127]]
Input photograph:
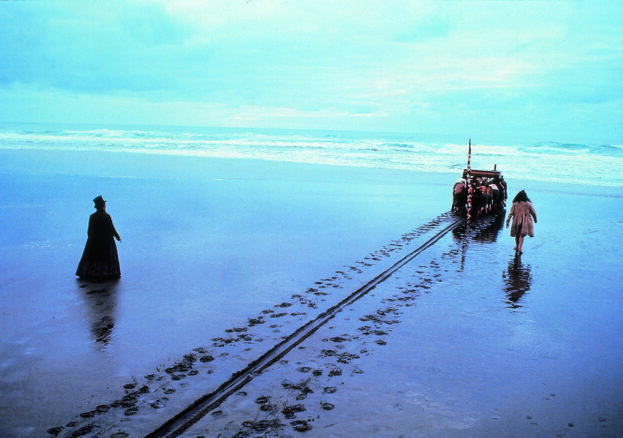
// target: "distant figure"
[[497, 203], [522, 213], [100, 259], [504, 188], [459, 197]]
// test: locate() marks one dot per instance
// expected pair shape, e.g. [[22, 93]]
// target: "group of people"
[[488, 195], [100, 259]]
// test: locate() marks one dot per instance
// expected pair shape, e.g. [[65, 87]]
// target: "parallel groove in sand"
[[181, 422]]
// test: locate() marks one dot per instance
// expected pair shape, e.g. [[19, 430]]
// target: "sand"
[[223, 258]]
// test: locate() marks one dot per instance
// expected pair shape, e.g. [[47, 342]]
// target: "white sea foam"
[[546, 161]]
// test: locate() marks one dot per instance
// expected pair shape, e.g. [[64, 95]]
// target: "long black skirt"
[[96, 264]]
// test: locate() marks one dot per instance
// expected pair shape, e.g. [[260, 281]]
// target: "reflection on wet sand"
[[517, 281], [101, 300], [489, 233], [517, 277], [484, 230]]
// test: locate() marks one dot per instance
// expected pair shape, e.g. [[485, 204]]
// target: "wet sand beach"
[[222, 259]]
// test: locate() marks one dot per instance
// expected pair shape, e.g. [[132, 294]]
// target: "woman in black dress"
[[100, 259]]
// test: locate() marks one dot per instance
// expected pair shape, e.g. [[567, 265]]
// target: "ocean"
[[547, 161]]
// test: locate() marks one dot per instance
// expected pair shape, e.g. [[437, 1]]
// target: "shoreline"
[[244, 155], [161, 164]]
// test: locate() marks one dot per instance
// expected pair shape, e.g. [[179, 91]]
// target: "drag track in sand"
[[169, 393], [185, 419]]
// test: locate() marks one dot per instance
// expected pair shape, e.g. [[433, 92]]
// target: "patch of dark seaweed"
[[356, 370], [131, 411], [220, 342], [55, 430], [262, 425], [302, 387], [84, 430], [265, 404], [236, 330], [256, 321], [301, 425], [183, 366], [335, 372], [290, 411], [345, 357]]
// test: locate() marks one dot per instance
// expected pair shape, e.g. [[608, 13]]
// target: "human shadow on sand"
[[101, 301], [517, 281]]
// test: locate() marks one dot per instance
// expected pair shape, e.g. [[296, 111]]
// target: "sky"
[[534, 70]]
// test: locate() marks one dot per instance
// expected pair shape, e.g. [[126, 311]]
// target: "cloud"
[[89, 46], [396, 64]]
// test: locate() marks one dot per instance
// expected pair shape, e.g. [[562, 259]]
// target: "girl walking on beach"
[[100, 259], [522, 213]]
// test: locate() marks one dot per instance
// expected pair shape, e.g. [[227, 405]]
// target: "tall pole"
[[468, 180], [469, 157]]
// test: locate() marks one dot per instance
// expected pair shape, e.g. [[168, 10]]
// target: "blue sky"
[[530, 70]]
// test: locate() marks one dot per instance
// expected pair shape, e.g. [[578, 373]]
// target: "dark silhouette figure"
[[100, 260], [504, 189], [459, 197], [517, 280]]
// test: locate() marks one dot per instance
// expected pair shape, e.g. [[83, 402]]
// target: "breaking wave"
[[547, 161]]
